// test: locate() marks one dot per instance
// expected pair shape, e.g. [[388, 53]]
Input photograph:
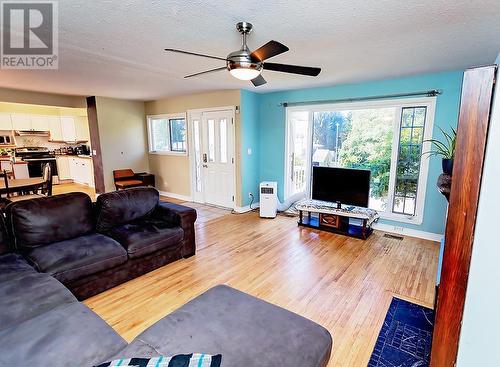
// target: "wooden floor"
[[73, 187], [342, 283]]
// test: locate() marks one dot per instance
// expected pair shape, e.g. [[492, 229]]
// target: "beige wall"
[[38, 98], [122, 132], [172, 172]]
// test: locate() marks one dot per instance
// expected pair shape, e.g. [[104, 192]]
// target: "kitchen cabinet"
[[82, 128], [39, 123], [5, 122], [82, 170], [75, 129], [68, 129], [63, 169], [21, 122], [55, 128], [24, 122]]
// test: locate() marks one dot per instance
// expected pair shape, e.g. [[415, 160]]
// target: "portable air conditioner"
[[268, 199]]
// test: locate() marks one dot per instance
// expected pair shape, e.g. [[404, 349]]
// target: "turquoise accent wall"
[[249, 130], [270, 131]]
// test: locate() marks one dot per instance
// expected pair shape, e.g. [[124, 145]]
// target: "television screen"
[[349, 186]]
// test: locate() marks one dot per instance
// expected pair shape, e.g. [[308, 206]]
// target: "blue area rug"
[[406, 336]]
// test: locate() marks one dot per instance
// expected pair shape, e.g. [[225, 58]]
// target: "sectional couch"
[[42, 323], [93, 247]]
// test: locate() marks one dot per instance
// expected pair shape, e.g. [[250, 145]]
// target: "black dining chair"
[[45, 189]]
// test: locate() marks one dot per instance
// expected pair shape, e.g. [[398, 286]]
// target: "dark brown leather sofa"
[[93, 247]]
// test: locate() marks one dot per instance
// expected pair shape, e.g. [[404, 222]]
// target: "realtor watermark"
[[29, 35]]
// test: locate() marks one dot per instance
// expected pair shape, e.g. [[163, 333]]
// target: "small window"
[[177, 135], [223, 141], [211, 140], [167, 134]]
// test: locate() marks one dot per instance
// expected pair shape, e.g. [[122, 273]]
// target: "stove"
[[37, 157]]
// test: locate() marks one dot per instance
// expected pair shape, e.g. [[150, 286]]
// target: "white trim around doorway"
[[193, 114]]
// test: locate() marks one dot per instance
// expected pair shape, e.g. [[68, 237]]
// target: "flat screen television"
[[349, 186]]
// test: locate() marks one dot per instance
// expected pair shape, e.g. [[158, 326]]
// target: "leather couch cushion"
[[69, 335], [30, 295], [124, 206], [240, 327], [50, 219], [72, 259], [143, 238], [13, 266]]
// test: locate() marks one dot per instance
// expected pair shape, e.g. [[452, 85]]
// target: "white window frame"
[[399, 103], [170, 116]]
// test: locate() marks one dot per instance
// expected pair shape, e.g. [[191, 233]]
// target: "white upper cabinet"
[[21, 122], [5, 121], [55, 128], [68, 129], [82, 128], [75, 129], [39, 123]]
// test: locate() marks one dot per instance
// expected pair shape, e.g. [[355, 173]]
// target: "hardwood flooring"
[[342, 283], [64, 188]]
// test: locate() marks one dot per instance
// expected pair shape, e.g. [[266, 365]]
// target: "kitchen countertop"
[[74, 155]]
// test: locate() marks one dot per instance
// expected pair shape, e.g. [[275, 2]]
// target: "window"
[[167, 134], [386, 137], [211, 140]]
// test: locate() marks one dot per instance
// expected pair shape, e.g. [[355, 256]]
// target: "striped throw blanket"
[[180, 360]]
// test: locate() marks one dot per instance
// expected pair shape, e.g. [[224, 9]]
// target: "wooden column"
[[473, 122], [96, 145]]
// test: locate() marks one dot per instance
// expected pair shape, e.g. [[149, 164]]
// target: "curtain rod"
[[428, 93]]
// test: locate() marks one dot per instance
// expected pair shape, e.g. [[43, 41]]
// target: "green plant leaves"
[[445, 148]]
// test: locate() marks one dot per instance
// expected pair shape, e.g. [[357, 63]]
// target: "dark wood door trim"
[[473, 123], [96, 145]]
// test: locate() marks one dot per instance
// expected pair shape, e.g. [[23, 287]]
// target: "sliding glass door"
[[298, 162], [386, 137]]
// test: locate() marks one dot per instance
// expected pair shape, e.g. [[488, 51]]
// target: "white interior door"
[[216, 176]]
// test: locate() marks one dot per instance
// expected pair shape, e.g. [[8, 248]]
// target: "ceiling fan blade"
[[194, 54], [270, 49], [294, 69], [257, 82], [206, 72]]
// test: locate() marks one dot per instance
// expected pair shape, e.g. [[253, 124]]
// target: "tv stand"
[[348, 220]]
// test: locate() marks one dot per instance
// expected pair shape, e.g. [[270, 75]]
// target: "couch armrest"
[[184, 217]]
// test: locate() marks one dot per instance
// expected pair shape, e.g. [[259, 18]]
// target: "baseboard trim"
[[175, 196], [245, 209], [409, 232]]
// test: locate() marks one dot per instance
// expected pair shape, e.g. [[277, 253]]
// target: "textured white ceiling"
[[115, 47]]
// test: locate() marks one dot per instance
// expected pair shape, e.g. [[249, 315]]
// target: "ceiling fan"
[[246, 65]]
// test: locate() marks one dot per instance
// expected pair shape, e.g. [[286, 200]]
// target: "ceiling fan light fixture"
[[244, 73]]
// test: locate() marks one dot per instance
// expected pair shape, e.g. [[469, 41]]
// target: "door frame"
[[192, 114]]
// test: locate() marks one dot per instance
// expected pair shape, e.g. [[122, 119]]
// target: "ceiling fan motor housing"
[[241, 58]]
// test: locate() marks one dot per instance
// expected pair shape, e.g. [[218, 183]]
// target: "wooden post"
[[473, 122], [96, 145]]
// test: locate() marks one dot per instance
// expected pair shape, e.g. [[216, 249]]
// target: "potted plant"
[[445, 149]]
